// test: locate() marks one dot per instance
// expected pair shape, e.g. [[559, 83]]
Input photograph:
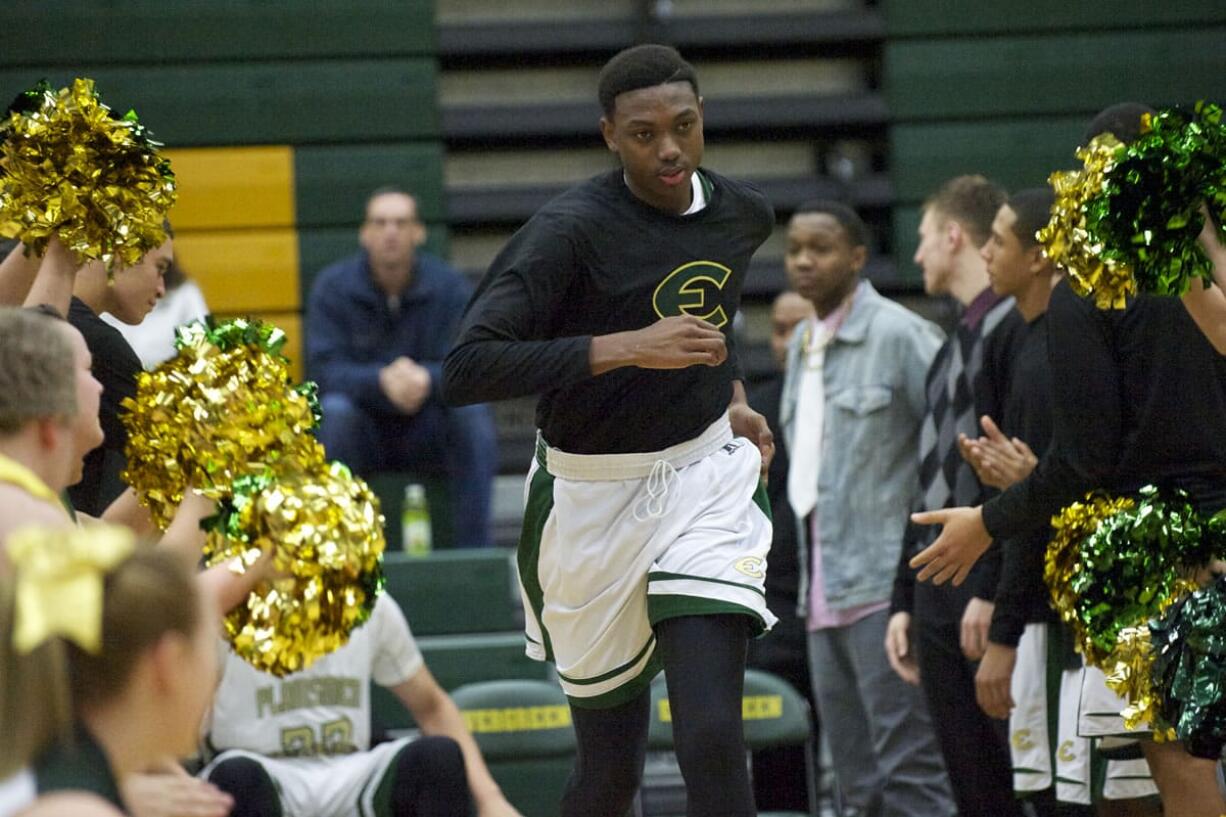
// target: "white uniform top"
[[324, 709]]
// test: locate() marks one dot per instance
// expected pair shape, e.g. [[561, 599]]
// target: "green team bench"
[[456, 591]]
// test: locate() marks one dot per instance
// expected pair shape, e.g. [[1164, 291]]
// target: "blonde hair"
[[42, 693], [37, 377]]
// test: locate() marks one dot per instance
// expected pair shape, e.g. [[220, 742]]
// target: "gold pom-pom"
[[1070, 528], [1068, 243], [222, 408], [71, 168], [325, 531]]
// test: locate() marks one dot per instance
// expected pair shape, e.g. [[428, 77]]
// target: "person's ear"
[[166, 660], [50, 429], [1037, 262], [859, 257], [953, 236], [607, 131], [419, 234]]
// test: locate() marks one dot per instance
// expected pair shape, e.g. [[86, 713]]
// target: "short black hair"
[[848, 219], [642, 66], [1123, 121], [1032, 207]]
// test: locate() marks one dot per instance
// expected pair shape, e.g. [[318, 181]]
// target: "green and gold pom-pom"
[[1189, 669], [1062, 564], [69, 167], [1113, 566], [221, 409], [325, 531], [1132, 566], [1068, 242], [1148, 213], [1130, 675]]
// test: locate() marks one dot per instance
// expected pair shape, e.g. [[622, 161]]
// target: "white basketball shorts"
[[614, 544]]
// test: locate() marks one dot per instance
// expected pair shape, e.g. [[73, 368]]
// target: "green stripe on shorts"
[[616, 671], [536, 514], [762, 500], [626, 692], [661, 576], [661, 607]]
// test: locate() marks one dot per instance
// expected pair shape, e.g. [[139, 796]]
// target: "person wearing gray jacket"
[[853, 399]]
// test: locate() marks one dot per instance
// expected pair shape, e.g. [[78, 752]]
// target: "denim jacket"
[[873, 376]]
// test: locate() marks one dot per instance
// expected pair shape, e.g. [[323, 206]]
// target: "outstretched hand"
[[963, 540]]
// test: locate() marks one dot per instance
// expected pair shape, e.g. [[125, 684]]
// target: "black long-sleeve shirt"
[[594, 261], [1139, 396], [116, 367], [1021, 595]]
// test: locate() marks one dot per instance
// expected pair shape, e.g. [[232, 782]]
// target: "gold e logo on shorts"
[[1021, 740], [1065, 753], [693, 289], [752, 566]]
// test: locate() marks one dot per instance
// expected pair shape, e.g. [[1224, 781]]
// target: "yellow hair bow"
[[59, 582]]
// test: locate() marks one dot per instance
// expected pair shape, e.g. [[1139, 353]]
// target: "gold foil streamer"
[[1129, 674], [209, 416], [1070, 528], [71, 168], [325, 531], [1068, 243]]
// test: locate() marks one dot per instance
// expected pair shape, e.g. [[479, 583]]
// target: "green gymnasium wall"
[[279, 116], [1007, 88]]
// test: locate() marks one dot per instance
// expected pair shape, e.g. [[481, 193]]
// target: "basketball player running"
[[645, 536]]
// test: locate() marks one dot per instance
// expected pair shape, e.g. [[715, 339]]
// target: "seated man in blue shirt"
[[378, 325]]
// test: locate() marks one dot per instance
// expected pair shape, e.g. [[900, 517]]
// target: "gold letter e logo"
[[693, 289]]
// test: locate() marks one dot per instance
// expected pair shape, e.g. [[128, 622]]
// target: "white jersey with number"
[[325, 709]]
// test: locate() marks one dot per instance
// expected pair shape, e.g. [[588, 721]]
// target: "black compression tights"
[[429, 782], [704, 662]]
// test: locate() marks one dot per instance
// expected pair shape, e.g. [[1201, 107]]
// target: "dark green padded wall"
[[332, 183], [907, 18], [352, 87], [1046, 74], [75, 32], [248, 103], [1006, 89]]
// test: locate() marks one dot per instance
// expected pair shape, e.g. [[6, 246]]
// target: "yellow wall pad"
[[243, 270], [226, 188]]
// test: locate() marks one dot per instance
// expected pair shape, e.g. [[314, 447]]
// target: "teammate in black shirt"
[[129, 296], [1139, 396], [1018, 268], [613, 303]]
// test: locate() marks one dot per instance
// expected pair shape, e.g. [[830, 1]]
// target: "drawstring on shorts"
[[652, 504]]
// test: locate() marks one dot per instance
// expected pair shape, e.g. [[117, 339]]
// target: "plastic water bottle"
[[415, 521]]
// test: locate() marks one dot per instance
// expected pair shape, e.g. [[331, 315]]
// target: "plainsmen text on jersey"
[[325, 709]]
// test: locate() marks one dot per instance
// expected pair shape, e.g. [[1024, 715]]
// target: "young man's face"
[[86, 426], [789, 309], [657, 134], [821, 262], [392, 230], [136, 289], [1011, 266], [934, 254]]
